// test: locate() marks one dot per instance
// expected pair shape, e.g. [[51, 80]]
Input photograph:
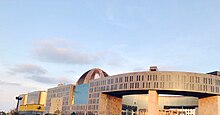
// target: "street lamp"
[[18, 98]]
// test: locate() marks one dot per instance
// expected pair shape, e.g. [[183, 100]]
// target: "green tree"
[[2, 113]]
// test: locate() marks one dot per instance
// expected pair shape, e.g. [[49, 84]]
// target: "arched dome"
[[90, 75]]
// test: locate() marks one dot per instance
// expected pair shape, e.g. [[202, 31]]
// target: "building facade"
[[97, 93], [105, 94], [32, 103], [60, 99]]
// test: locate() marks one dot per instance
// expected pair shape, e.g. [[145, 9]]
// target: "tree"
[[58, 112], [2, 113]]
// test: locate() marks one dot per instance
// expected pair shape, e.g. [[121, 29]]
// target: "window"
[[142, 77], [116, 80], [107, 88], [108, 81], [210, 81], [212, 88], [143, 85], [120, 86], [217, 89], [131, 78], [120, 79], [148, 77], [125, 86], [205, 80], [112, 87], [147, 84], [126, 79], [131, 85], [138, 78], [155, 84], [162, 84], [112, 80], [136, 85], [115, 86], [197, 79]]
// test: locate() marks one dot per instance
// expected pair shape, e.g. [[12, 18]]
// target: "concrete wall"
[[110, 105], [209, 105], [153, 108]]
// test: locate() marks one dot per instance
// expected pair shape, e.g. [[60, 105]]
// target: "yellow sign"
[[32, 107]]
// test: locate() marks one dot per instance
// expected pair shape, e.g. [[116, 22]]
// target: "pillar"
[[153, 108], [110, 105], [209, 105]]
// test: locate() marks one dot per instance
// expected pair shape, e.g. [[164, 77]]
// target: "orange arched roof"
[[90, 75]]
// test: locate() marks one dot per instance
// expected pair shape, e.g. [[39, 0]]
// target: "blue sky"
[[43, 43]]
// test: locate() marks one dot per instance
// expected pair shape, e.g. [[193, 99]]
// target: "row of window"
[[187, 86], [125, 86], [191, 79], [94, 95], [79, 107], [93, 101], [207, 80], [58, 90], [49, 95], [130, 79], [93, 107], [63, 103], [199, 87], [65, 108]]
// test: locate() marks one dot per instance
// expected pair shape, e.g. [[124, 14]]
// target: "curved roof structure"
[[165, 82], [90, 75]]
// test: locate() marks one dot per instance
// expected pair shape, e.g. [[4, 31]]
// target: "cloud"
[[67, 52], [48, 80], [42, 79], [9, 83], [34, 73], [57, 51], [28, 69]]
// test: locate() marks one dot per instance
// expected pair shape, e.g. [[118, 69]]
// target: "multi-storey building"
[[105, 94], [37, 97], [96, 93], [32, 103], [60, 99]]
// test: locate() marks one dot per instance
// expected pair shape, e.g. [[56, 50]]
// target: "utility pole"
[[18, 98]]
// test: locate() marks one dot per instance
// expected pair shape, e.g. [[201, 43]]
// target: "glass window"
[[131, 85], [125, 86]]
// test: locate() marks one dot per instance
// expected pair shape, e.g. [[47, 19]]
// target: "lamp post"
[[18, 98]]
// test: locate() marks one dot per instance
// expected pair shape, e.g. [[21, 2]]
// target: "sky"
[[46, 42]]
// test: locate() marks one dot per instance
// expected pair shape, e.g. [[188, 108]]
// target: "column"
[[209, 105], [153, 108], [110, 105]]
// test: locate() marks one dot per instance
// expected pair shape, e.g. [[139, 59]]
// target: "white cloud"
[[35, 73], [4, 83], [61, 52], [28, 69]]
